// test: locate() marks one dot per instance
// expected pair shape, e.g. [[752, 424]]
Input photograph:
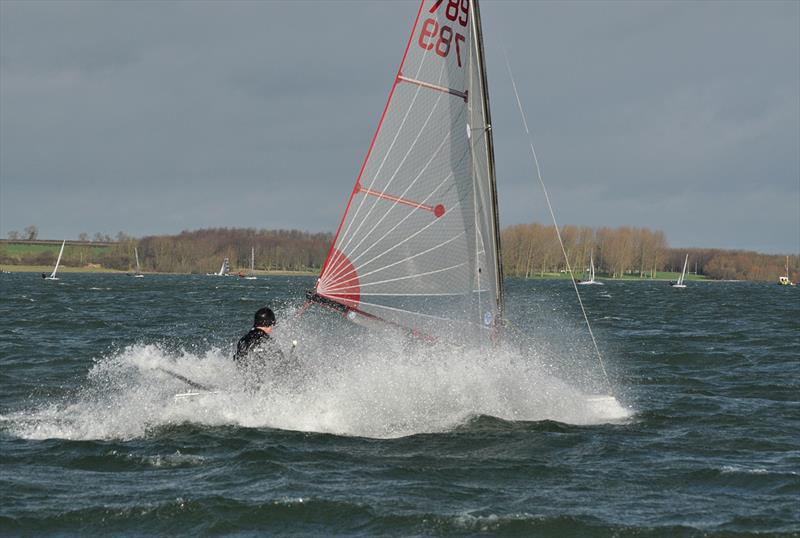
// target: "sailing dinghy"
[[418, 246], [591, 274], [679, 283], [224, 269], [784, 280], [58, 262], [138, 273]]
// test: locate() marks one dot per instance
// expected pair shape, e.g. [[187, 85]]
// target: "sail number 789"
[[440, 38]]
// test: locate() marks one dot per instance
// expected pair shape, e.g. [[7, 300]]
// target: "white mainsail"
[[418, 245], [591, 273], [138, 273], [58, 262], [679, 283], [225, 268]]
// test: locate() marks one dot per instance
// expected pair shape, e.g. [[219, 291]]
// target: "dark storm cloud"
[[157, 117]]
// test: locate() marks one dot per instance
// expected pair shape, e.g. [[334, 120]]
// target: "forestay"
[[418, 244]]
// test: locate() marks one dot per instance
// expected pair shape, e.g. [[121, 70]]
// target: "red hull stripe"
[[374, 138], [430, 86]]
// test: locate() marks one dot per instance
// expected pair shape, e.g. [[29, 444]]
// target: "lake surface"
[[380, 436]]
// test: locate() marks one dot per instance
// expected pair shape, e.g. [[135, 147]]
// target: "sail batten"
[[436, 87], [419, 233]]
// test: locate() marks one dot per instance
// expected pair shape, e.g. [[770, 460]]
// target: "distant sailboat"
[[138, 273], [679, 283], [784, 280], [591, 274], [225, 269], [252, 274], [58, 261]]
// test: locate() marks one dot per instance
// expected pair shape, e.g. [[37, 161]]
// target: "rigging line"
[[360, 277], [340, 266], [375, 177], [386, 214], [453, 322], [424, 201], [374, 138], [553, 216], [399, 166], [393, 228], [396, 136], [345, 289], [411, 312], [412, 236], [411, 294], [399, 129]]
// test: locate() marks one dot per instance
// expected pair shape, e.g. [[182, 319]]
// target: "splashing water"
[[384, 389]]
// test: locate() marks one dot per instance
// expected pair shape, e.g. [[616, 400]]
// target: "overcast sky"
[[158, 117]]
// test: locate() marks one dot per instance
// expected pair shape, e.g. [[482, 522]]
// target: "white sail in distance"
[[225, 268], [679, 283], [58, 262], [138, 273], [418, 245]]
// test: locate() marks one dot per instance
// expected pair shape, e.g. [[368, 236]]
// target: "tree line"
[[533, 250], [202, 251], [529, 250], [31, 233]]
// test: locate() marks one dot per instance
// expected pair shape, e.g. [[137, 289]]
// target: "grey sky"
[[158, 117]]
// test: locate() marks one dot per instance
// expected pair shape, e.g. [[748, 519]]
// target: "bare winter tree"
[[13, 235], [31, 232]]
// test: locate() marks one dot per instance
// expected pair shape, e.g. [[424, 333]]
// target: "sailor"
[[258, 356]]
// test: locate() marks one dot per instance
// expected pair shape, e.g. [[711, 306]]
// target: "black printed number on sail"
[[441, 37]]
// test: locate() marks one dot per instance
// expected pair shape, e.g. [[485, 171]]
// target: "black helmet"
[[264, 317]]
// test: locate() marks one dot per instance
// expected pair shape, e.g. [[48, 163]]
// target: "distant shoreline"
[[104, 270], [548, 276]]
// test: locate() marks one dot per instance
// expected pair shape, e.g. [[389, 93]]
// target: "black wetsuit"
[[259, 357]]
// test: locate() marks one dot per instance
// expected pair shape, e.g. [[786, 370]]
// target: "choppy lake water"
[[382, 438]]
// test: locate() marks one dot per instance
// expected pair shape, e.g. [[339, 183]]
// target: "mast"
[[478, 36]]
